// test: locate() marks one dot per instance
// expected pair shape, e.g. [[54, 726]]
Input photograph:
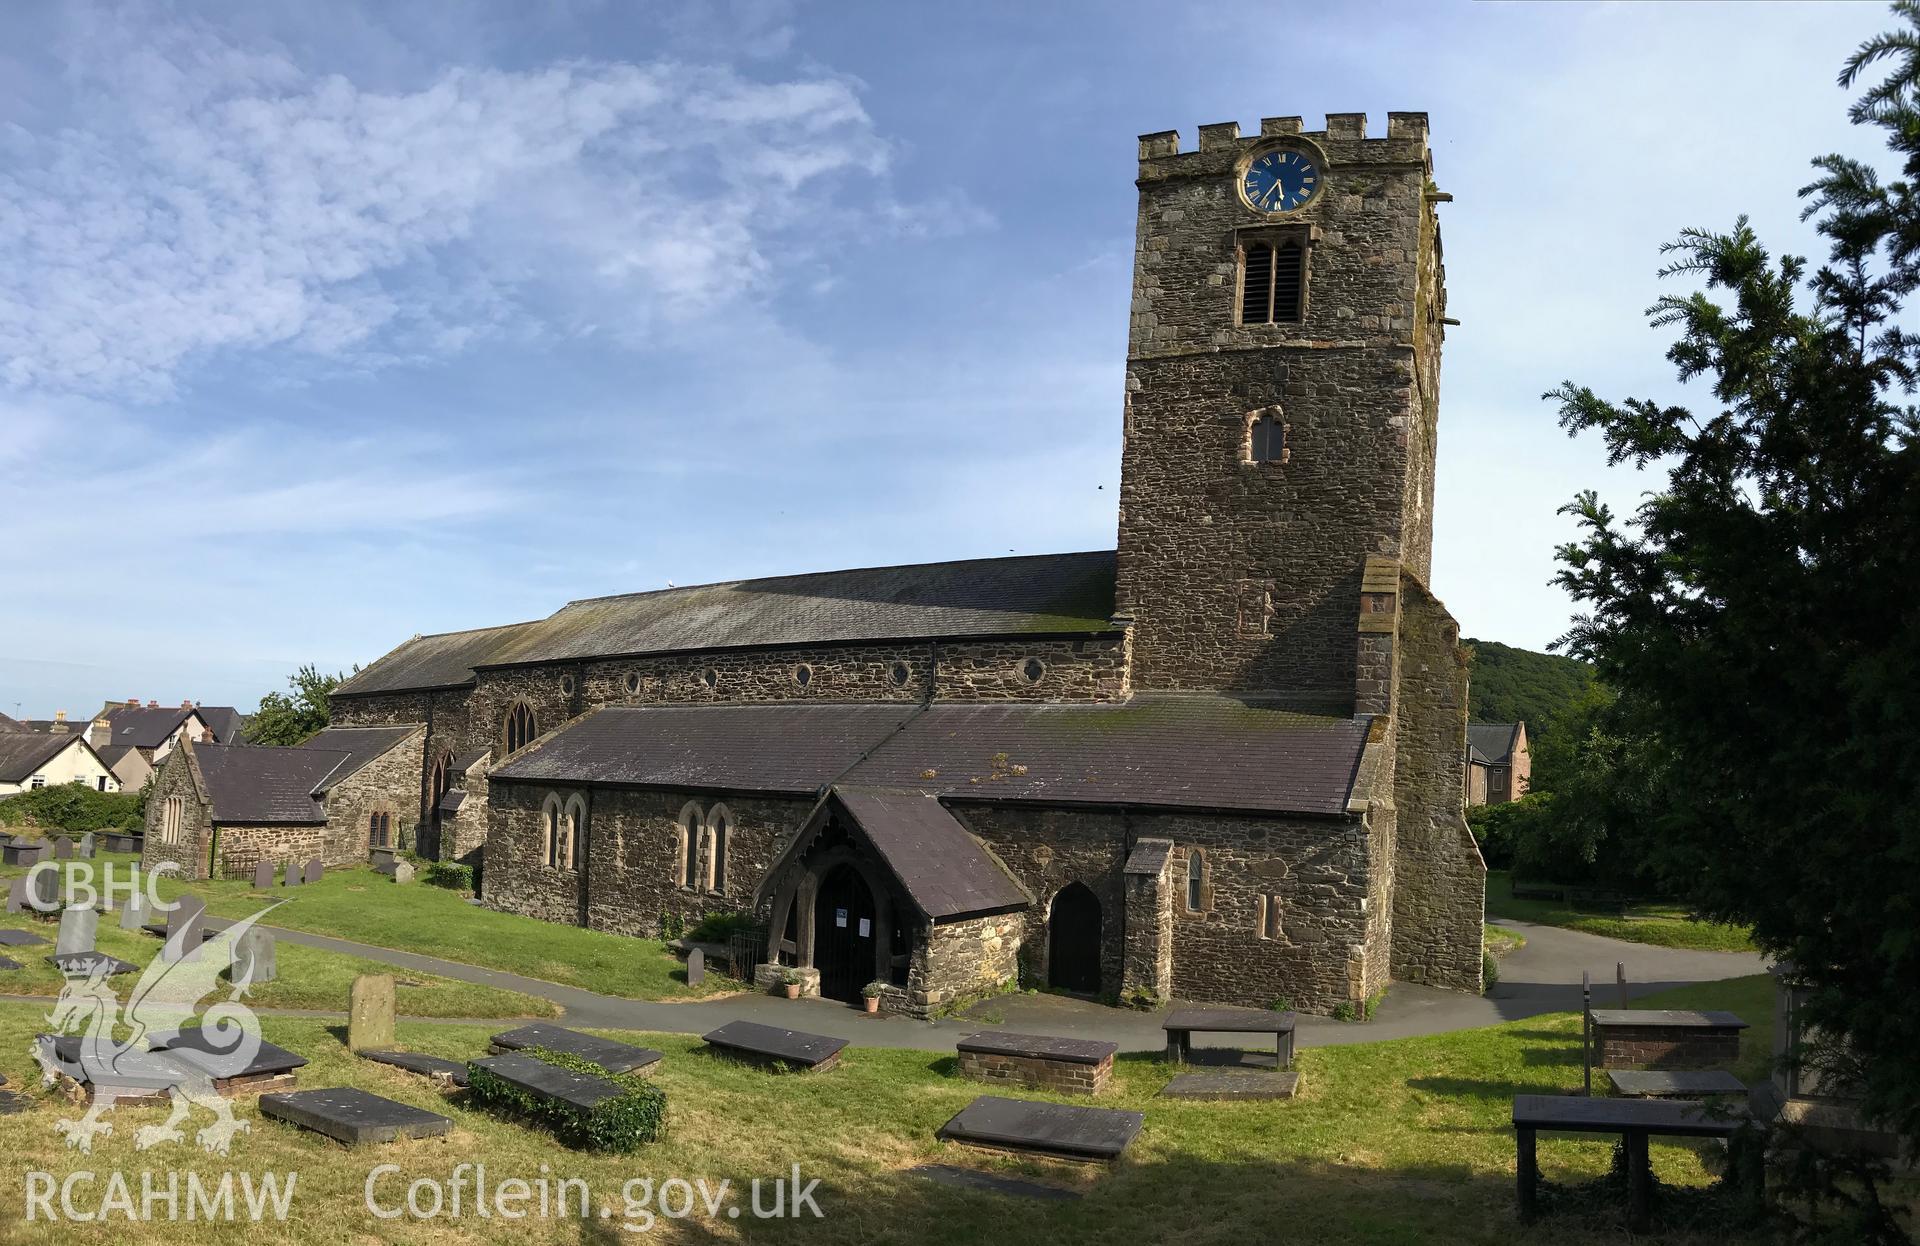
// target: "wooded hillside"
[[1510, 684]]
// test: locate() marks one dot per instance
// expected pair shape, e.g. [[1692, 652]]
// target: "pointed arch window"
[[719, 827], [692, 826], [573, 822], [519, 729], [551, 812], [380, 829], [1196, 880]]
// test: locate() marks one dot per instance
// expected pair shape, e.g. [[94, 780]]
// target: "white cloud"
[[209, 196]]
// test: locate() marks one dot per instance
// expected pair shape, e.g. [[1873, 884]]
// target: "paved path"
[[1542, 977]]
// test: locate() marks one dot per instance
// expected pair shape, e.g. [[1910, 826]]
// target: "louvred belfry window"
[[1272, 282]]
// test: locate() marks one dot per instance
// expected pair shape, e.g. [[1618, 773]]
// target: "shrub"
[[672, 926], [719, 927], [449, 874], [1141, 998], [72, 808], [1281, 1003], [621, 1124], [1489, 970], [1344, 1011]]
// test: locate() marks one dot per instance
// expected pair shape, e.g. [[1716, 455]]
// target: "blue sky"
[[321, 326]]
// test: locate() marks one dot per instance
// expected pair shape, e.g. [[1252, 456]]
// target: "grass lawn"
[[367, 908], [1666, 925], [1501, 941], [1394, 1142], [306, 977]]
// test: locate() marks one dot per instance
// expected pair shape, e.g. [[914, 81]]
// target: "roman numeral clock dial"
[[1280, 181]]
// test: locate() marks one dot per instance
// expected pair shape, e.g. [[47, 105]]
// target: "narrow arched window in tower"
[[1266, 438], [519, 729], [1196, 880]]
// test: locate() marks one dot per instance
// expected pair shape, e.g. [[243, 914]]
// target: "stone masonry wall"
[[242, 847], [968, 957], [1666, 1046], [1439, 878], [1241, 575], [1063, 1077], [388, 782], [189, 853]]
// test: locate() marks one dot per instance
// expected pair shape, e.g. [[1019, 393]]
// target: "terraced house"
[[1221, 761]]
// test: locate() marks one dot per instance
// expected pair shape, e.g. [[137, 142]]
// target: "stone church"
[[1223, 761]]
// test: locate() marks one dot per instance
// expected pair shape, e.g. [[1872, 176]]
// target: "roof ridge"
[[801, 575]]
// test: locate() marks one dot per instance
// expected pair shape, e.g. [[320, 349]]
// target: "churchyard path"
[[1542, 977]]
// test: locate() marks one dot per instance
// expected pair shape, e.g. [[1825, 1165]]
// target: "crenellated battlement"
[[1405, 139]]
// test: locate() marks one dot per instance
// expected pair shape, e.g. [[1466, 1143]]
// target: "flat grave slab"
[[1668, 1017], [1056, 1129], [1689, 1084], [86, 962], [134, 1077], [353, 1116], [156, 928], [1227, 1085], [7, 962], [437, 1067], [1038, 1047], [1229, 1021], [992, 1183], [272, 1067], [768, 1044], [1681, 1118], [20, 938], [536, 1077], [614, 1057]]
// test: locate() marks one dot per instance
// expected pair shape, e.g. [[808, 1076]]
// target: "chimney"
[[60, 717], [186, 705], [153, 705]]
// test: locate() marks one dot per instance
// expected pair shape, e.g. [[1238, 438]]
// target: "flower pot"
[[792, 990], [873, 1003]]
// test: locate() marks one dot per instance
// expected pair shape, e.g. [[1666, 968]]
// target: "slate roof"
[[944, 869], [11, 724], [54, 726], [1070, 593], [1210, 752], [23, 753], [265, 786], [1490, 744], [362, 746], [146, 727], [224, 721]]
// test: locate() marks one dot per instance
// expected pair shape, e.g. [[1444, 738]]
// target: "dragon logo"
[[158, 1057]]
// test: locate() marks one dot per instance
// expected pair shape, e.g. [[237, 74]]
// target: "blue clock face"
[[1280, 181]]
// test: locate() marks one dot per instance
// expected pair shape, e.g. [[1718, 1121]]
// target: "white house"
[[29, 761]]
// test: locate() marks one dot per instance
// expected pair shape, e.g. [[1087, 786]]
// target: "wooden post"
[[1639, 1181], [1526, 1170]]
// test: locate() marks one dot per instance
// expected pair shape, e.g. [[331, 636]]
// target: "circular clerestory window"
[[710, 677], [566, 685], [899, 673], [803, 674], [632, 681], [1032, 670]]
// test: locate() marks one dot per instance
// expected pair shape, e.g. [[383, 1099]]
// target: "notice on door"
[[840, 918], [866, 929]]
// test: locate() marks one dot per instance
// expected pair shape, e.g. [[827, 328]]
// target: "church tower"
[[1283, 366]]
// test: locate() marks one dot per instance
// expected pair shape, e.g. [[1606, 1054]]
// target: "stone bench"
[[1070, 1066], [1657, 1084], [1182, 1025], [1058, 1130], [766, 1044], [353, 1116], [1653, 1038], [613, 1056], [1635, 1120]]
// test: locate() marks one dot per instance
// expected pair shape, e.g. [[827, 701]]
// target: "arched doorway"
[[437, 785], [843, 924], [1073, 940]]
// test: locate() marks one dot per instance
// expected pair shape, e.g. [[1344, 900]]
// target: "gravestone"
[[1053, 1129], [768, 1044], [696, 967], [315, 870], [7, 962], [86, 846], [403, 871], [16, 894], [15, 851], [43, 891], [353, 1116], [614, 1057], [62, 849], [293, 874], [185, 929], [370, 1012], [262, 874], [134, 913], [439, 1068], [77, 929], [549, 1082], [254, 960], [89, 962], [19, 938]]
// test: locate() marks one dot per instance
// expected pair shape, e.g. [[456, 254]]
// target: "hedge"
[[74, 808], [450, 875], [620, 1124]]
